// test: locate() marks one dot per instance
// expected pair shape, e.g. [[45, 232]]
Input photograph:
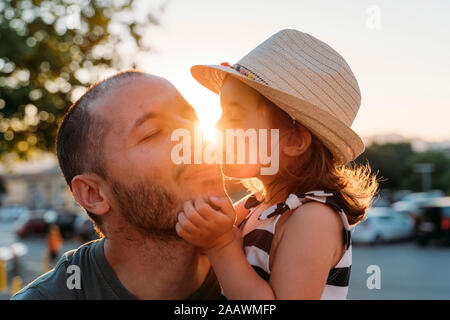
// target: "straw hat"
[[307, 79]]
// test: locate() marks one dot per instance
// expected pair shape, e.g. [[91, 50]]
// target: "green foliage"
[[441, 171], [395, 165], [50, 51]]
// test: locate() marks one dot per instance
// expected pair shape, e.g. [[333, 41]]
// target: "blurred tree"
[[392, 160], [395, 165], [50, 51]]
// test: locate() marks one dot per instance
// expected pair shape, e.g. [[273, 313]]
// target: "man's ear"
[[87, 190], [297, 141]]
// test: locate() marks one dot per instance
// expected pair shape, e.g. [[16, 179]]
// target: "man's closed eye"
[[151, 135]]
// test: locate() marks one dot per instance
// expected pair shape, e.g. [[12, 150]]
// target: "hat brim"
[[340, 139]]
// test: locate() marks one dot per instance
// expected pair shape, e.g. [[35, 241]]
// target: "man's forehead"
[[127, 99]]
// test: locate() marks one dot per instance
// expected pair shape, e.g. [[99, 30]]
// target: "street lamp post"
[[425, 170]]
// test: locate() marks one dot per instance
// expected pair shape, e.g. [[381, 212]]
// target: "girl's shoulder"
[[312, 213], [313, 217]]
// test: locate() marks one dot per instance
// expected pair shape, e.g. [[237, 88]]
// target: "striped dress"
[[257, 242]]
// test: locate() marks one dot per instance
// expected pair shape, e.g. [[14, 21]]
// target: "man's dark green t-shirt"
[[98, 280]]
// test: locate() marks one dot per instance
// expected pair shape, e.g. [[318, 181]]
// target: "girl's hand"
[[207, 225]]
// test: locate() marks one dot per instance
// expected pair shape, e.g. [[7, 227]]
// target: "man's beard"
[[148, 207]]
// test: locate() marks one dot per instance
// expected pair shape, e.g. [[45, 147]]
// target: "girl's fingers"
[[223, 203], [204, 209], [192, 214], [181, 232], [186, 224]]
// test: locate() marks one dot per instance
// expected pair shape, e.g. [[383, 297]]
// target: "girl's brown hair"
[[354, 185]]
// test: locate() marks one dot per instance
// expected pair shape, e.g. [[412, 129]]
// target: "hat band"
[[245, 71]]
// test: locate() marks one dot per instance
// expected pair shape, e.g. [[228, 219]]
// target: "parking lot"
[[31, 264], [407, 271]]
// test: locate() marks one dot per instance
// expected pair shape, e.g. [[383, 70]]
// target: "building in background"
[[39, 187]]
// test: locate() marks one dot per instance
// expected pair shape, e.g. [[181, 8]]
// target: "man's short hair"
[[81, 133]]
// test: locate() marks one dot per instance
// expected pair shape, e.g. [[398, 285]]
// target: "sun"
[[208, 119], [209, 131]]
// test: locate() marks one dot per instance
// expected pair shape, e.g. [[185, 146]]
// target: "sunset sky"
[[398, 51]]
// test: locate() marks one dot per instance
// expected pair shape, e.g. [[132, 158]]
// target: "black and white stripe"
[[257, 242]]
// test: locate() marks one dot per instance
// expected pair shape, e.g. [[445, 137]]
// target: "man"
[[114, 149]]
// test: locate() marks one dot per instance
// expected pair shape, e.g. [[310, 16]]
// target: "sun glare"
[[208, 118], [208, 127]]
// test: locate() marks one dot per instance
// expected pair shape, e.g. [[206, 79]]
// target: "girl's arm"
[[237, 278], [310, 245], [302, 262], [214, 232]]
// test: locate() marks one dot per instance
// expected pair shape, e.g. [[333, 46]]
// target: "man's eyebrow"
[[142, 119]]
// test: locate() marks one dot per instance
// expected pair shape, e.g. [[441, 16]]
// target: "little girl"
[[290, 239]]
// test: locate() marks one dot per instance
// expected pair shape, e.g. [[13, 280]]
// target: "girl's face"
[[242, 108]]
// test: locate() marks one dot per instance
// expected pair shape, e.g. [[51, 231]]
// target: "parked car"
[[383, 224], [66, 224], [32, 223], [84, 228], [37, 222], [413, 202], [433, 223]]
